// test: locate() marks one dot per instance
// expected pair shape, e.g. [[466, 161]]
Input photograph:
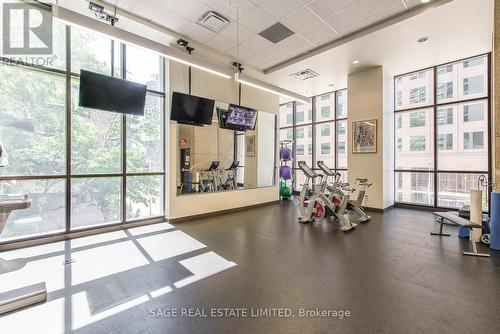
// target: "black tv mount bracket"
[[238, 66], [102, 15]]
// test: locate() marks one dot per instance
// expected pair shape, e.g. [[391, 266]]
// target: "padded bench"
[[452, 217]]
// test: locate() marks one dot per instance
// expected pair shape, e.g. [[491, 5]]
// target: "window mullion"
[[68, 128]]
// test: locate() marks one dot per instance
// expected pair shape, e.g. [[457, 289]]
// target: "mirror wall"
[[214, 159]]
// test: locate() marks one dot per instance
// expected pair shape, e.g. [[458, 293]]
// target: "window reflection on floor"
[[109, 273]]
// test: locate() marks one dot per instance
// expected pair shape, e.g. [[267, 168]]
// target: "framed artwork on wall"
[[250, 146], [364, 136]]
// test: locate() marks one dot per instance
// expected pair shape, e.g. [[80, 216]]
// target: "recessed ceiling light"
[[423, 39], [425, 1], [355, 62], [331, 85]]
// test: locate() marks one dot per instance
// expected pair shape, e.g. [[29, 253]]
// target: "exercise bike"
[[353, 205], [228, 177], [209, 179], [314, 205]]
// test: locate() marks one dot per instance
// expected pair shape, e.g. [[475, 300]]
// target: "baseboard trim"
[[219, 212], [421, 207], [380, 210]]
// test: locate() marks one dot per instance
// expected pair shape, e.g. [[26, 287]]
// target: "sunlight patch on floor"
[[95, 260]]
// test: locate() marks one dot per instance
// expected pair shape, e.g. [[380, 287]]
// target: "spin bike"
[[229, 181], [209, 179], [315, 205], [356, 205]]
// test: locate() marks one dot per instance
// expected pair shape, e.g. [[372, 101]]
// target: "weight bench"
[[453, 217]]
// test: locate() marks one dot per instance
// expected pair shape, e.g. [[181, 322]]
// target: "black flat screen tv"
[[241, 118], [191, 110], [103, 92]]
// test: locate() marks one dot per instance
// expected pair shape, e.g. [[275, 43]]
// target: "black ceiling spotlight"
[[182, 42], [185, 45], [102, 15]]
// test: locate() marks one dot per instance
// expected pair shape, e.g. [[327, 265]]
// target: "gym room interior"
[[249, 166]]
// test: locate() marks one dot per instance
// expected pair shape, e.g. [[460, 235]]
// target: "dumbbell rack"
[[286, 144]]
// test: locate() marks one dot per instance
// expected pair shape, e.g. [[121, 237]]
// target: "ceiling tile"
[[257, 2], [280, 8], [347, 16], [293, 43], [257, 20], [229, 32], [220, 43], [257, 59], [168, 18], [224, 7], [274, 51], [190, 9], [371, 20], [257, 43], [148, 10], [244, 52], [369, 7], [318, 32], [275, 61], [300, 19], [199, 33], [325, 8]]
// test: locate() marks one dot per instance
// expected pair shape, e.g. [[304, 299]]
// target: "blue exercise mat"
[[495, 221]]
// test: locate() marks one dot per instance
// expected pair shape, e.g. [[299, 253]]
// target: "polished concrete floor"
[[390, 275]]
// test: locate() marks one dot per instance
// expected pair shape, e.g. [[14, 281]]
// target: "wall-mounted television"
[[98, 91], [191, 110], [241, 118]]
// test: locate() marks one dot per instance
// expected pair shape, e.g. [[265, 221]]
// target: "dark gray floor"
[[390, 274]]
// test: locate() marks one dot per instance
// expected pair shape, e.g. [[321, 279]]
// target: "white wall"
[[369, 99], [224, 90]]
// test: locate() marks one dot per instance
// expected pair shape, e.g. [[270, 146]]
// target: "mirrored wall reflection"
[[213, 158]]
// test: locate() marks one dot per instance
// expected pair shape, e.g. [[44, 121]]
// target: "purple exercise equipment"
[[286, 172], [286, 154]]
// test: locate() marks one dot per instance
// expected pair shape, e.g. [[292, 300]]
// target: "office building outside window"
[[319, 131], [442, 131]]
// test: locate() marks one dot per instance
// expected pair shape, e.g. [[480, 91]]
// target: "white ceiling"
[[315, 23], [459, 29], [456, 30]]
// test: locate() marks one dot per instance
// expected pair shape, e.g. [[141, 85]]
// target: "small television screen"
[[241, 118], [192, 110], [103, 92]]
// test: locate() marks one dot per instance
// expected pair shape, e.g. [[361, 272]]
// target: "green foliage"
[[33, 130]]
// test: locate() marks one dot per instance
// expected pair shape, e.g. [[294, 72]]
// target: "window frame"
[[314, 128], [117, 49], [435, 107]]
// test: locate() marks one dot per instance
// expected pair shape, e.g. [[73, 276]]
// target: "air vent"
[[213, 21], [304, 75], [276, 33]]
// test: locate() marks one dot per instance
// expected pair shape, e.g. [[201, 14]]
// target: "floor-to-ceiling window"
[[442, 133], [81, 168], [319, 132]]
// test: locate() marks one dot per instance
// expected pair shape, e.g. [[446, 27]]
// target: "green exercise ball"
[[286, 192]]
